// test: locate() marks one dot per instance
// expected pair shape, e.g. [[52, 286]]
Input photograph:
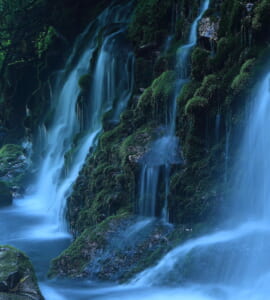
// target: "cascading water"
[[111, 89], [102, 51], [225, 265], [164, 151], [234, 263]]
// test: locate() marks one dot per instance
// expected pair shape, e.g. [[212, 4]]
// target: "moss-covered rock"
[[118, 248], [14, 167], [155, 102], [17, 276], [150, 22], [195, 104]]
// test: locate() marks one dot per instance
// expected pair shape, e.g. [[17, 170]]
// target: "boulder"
[[14, 167], [17, 276]]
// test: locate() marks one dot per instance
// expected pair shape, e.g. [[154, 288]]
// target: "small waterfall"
[[217, 126], [165, 150], [111, 85], [233, 261]]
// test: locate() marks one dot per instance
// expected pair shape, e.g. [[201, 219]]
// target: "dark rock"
[[17, 276], [5, 195], [13, 279]]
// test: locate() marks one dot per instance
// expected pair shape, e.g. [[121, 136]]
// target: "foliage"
[[262, 15], [148, 20], [44, 40], [195, 104], [200, 64]]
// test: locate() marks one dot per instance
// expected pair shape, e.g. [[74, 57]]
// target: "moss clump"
[[194, 104], [17, 275], [10, 152], [187, 92], [241, 81], [84, 81], [210, 88], [261, 17], [44, 40], [150, 21], [74, 260], [200, 63], [154, 103]]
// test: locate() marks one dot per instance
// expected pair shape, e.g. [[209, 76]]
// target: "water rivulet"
[[164, 151]]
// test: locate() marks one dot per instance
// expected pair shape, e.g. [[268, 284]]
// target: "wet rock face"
[[209, 29], [14, 167], [17, 276], [5, 195], [118, 248]]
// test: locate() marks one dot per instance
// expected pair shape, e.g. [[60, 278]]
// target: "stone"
[[208, 28], [17, 276]]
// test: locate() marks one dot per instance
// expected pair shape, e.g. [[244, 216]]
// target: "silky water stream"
[[164, 152], [228, 264]]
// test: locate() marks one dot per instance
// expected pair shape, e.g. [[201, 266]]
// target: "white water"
[[165, 151], [234, 262], [111, 88], [37, 222], [230, 264]]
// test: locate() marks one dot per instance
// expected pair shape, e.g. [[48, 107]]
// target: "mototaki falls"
[[135, 150]]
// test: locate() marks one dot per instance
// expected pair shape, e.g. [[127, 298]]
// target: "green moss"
[[150, 21], [210, 88], [240, 82], [77, 256], [187, 92], [44, 40], [248, 66], [136, 144], [10, 152], [15, 261], [84, 81], [194, 104], [155, 100], [200, 63], [163, 86], [261, 17]]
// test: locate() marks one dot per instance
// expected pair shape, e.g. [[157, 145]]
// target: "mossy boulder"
[[17, 276], [195, 104], [150, 21], [118, 248], [154, 103], [242, 80], [13, 167]]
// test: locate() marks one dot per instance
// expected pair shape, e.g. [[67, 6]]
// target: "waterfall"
[[232, 263], [164, 151], [111, 83]]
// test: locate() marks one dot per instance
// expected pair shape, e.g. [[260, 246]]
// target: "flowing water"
[[227, 264], [233, 263], [38, 221], [164, 152]]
